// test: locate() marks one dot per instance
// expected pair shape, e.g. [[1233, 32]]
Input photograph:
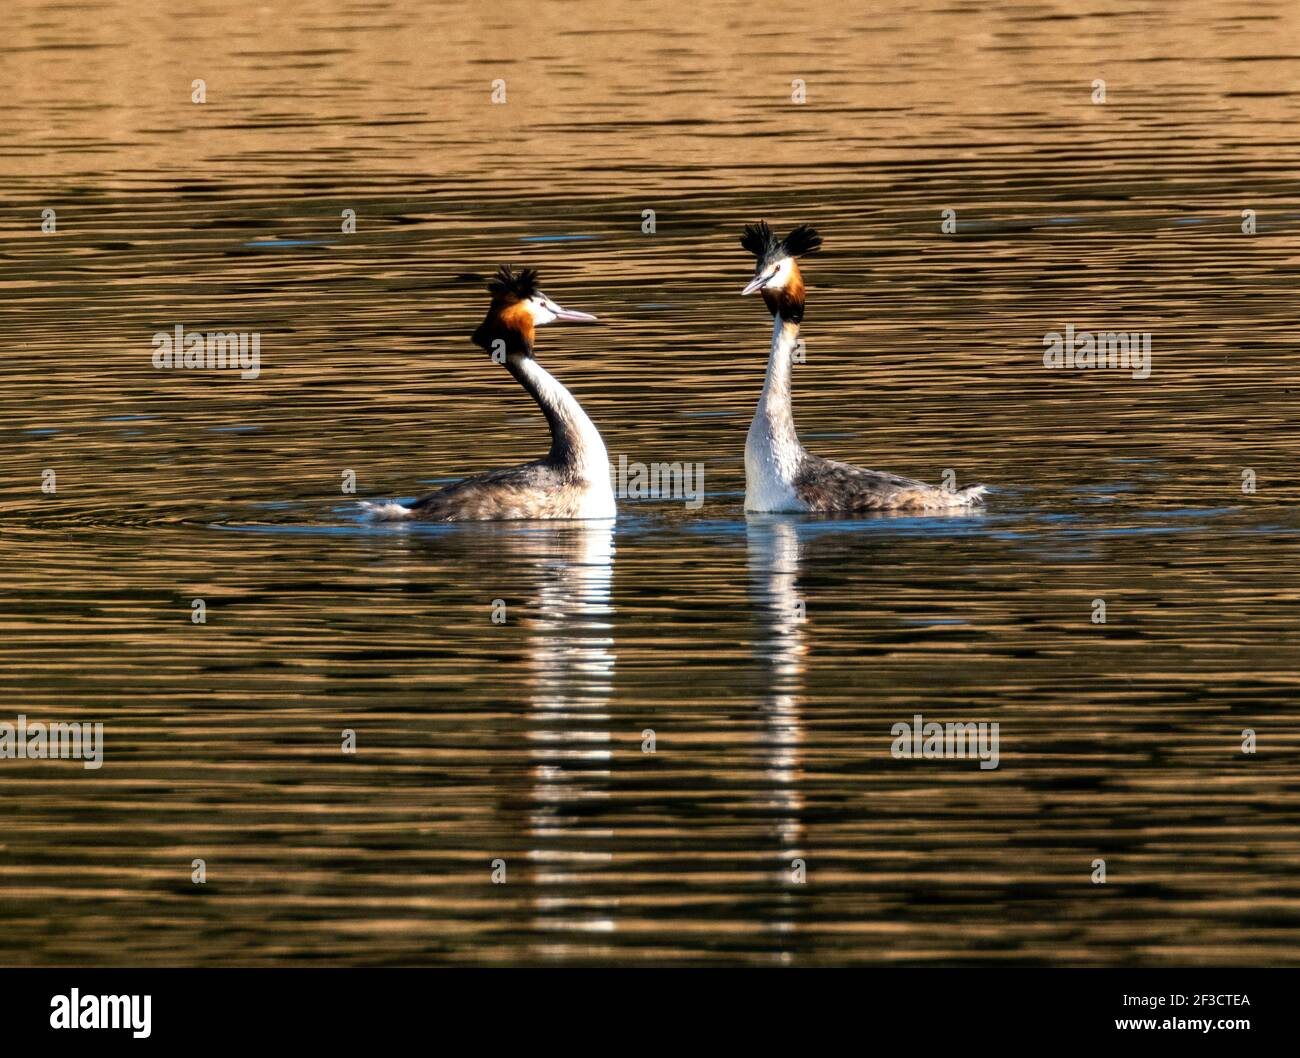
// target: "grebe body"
[[570, 482], [781, 476]]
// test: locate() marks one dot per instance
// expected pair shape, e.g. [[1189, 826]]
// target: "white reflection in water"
[[774, 566], [571, 664]]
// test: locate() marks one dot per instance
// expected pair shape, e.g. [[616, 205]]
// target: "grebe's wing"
[[826, 485], [515, 492]]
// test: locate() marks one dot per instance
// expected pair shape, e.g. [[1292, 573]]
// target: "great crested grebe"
[[780, 475], [572, 481]]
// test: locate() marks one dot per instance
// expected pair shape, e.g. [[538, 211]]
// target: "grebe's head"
[[517, 308], [775, 272]]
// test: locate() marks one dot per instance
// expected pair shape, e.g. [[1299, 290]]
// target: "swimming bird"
[[780, 474], [572, 481]]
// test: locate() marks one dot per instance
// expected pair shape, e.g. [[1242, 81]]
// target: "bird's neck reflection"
[[567, 728], [774, 564]]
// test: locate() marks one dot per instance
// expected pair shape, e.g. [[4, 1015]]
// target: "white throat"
[[772, 449]]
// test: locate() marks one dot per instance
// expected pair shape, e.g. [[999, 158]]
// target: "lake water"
[[771, 657]]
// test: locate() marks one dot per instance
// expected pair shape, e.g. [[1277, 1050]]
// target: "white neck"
[[772, 449], [575, 440]]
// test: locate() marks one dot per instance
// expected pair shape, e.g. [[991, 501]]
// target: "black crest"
[[760, 240], [802, 240], [508, 283]]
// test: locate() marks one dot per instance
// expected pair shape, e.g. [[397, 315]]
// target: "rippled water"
[[770, 656]]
